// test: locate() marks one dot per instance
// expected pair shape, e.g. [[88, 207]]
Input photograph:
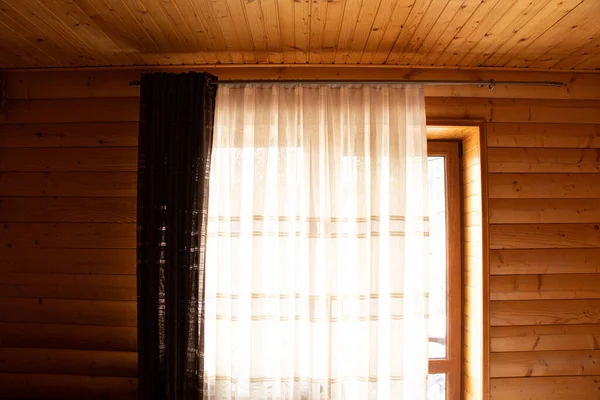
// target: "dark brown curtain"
[[175, 139]]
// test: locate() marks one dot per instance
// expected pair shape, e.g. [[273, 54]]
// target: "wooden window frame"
[[451, 365]]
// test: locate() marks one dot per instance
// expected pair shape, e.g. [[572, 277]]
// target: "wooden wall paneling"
[[544, 388], [545, 363], [545, 261], [70, 362], [68, 159], [126, 109], [68, 261], [69, 311], [544, 160], [544, 312], [121, 109], [38, 386], [555, 286], [545, 338], [68, 286], [544, 135], [76, 135], [87, 83], [544, 236], [543, 186], [68, 209], [535, 211], [60, 336], [68, 235], [85, 184]]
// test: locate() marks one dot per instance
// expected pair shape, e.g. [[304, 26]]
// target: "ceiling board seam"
[[362, 52], [452, 21], [542, 34], [569, 35], [511, 36], [424, 56], [400, 32], [492, 11], [425, 36], [72, 34], [458, 31]]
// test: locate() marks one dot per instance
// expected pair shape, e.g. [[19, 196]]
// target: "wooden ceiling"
[[541, 34]]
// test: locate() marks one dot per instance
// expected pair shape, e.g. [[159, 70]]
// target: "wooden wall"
[[67, 233], [544, 213]]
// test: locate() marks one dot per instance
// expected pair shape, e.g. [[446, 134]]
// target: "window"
[[444, 272]]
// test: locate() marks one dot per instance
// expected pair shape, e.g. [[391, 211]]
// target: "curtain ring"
[[209, 83]]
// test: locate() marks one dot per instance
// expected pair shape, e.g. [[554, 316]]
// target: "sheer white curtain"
[[316, 268]]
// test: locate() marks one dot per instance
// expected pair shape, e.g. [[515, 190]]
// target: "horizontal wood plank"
[[68, 286], [68, 261], [534, 287], [67, 235], [68, 159], [543, 186], [540, 236], [105, 134], [76, 337], [535, 160], [75, 312], [126, 109], [78, 184], [109, 83], [110, 109], [544, 312], [68, 209], [545, 338], [540, 211], [68, 362], [568, 135], [52, 386], [545, 363], [546, 388], [546, 261]]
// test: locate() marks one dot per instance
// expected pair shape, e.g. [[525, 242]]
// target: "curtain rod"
[[490, 83]]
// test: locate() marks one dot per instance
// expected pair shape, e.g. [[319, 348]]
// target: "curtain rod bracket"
[[492, 84]]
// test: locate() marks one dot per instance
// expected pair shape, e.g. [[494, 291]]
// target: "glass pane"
[[437, 258], [436, 387]]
